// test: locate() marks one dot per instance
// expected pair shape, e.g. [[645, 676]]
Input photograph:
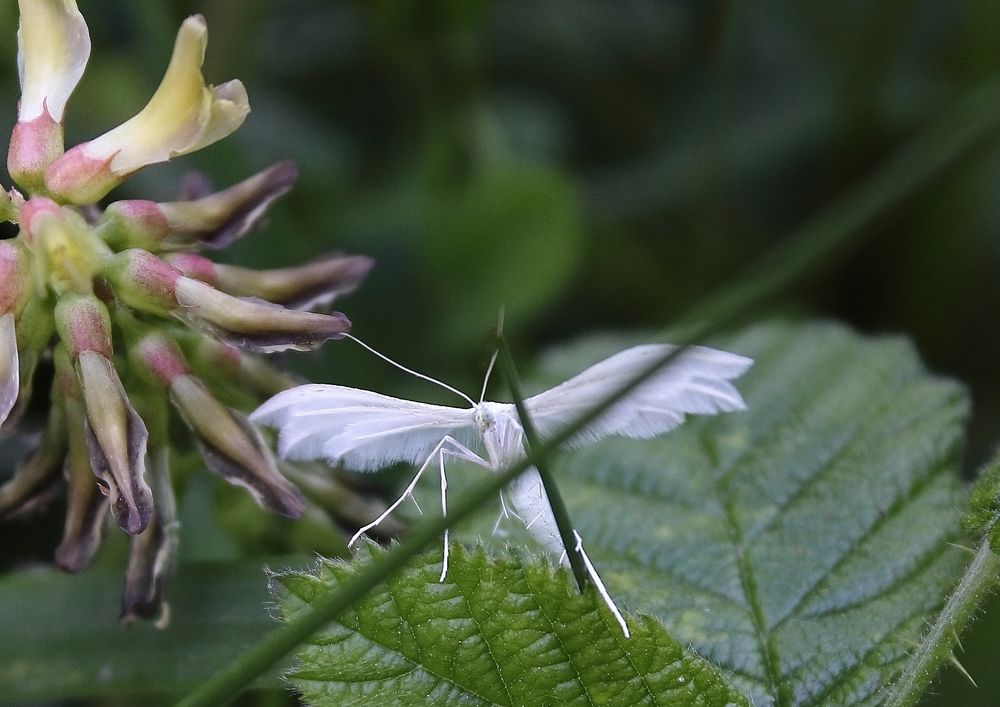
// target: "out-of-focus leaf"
[[61, 636], [496, 631], [511, 237]]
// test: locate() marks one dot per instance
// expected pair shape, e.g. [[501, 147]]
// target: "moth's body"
[[503, 438], [367, 431]]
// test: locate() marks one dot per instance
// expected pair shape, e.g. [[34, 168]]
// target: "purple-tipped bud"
[[86, 506], [219, 219], [255, 325], [229, 444], [153, 553], [315, 284], [115, 432], [212, 221]]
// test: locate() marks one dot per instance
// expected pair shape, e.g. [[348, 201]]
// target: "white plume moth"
[[366, 431]]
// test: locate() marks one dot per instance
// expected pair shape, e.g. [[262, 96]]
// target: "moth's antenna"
[[489, 370], [411, 371], [493, 359]]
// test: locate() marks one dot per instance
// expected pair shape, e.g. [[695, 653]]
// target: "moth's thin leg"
[[601, 589], [527, 526], [458, 450], [444, 513], [395, 504], [505, 512]]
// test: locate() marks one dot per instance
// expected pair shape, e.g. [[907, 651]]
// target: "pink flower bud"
[[86, 506], [34, 145], [143, 281], [219, 219], [315, 284], [116, 434], [233, 448], [254, 325]]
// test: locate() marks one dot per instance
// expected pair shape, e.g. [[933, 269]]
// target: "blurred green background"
[[588, 165]]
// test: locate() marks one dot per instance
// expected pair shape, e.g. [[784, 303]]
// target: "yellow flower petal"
[[183, 115]]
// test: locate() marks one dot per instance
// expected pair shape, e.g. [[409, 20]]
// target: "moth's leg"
[[407, 492], [453, 448], [505, 512], [444, 513], [599, 584]]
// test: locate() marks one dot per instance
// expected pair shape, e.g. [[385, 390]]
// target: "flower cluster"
[[134, 323]]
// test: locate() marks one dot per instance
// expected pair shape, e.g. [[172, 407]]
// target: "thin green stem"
[[831, 234], [556, 501], [939, 642]]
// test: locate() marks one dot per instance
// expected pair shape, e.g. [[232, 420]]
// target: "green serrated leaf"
[[496, 631], [801, 545]]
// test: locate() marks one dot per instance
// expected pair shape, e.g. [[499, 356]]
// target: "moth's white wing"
[[696, 382], [362, 430]]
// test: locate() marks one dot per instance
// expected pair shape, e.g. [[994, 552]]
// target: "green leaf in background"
[[512, 235], [802, 545], [61, 636], [496, 631]]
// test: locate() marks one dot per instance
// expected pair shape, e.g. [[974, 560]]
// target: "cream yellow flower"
[[183, 115], [53, 46]]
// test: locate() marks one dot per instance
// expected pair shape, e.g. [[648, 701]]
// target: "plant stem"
[[832, 233], [938, 643], [556, 501]]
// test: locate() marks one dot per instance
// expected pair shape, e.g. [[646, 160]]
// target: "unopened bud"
[[233, 448], [315, 284], [255, 325], [212, 221], [153, 553], [115, 432], [84, 324], [86, 506], [230, 446], [219, 219], [143, 281]]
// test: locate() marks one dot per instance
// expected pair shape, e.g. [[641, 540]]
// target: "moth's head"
[[485, 419]]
